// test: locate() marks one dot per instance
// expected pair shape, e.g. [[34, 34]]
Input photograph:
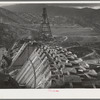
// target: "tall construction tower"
[[45, 31]]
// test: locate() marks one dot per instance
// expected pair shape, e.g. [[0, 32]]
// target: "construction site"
[[41, 63]]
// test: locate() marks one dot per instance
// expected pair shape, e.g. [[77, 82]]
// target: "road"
[[90, 54]]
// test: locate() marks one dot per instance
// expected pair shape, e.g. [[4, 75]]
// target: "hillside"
[[7, 16], [84, 17], [12, 27], [10, 33], [80, 25]]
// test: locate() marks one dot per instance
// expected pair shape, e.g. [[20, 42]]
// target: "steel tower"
[[45, 30]]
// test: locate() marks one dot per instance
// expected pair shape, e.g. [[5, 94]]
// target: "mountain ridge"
[[84, 16]]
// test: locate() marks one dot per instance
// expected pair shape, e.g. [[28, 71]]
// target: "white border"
[[42, 2], [47, 93]]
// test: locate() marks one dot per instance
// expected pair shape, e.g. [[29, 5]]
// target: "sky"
[[93, 5]]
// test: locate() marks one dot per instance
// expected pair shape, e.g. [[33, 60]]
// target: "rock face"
[[53, 67]]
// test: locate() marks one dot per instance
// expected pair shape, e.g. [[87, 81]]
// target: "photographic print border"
[[50, 93]]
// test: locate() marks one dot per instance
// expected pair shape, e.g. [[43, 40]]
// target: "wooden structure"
[[51, 67]]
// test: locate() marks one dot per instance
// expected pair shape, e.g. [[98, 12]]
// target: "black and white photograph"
[[54, 46]]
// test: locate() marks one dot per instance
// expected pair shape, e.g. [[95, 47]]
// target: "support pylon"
[[45, 30]]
